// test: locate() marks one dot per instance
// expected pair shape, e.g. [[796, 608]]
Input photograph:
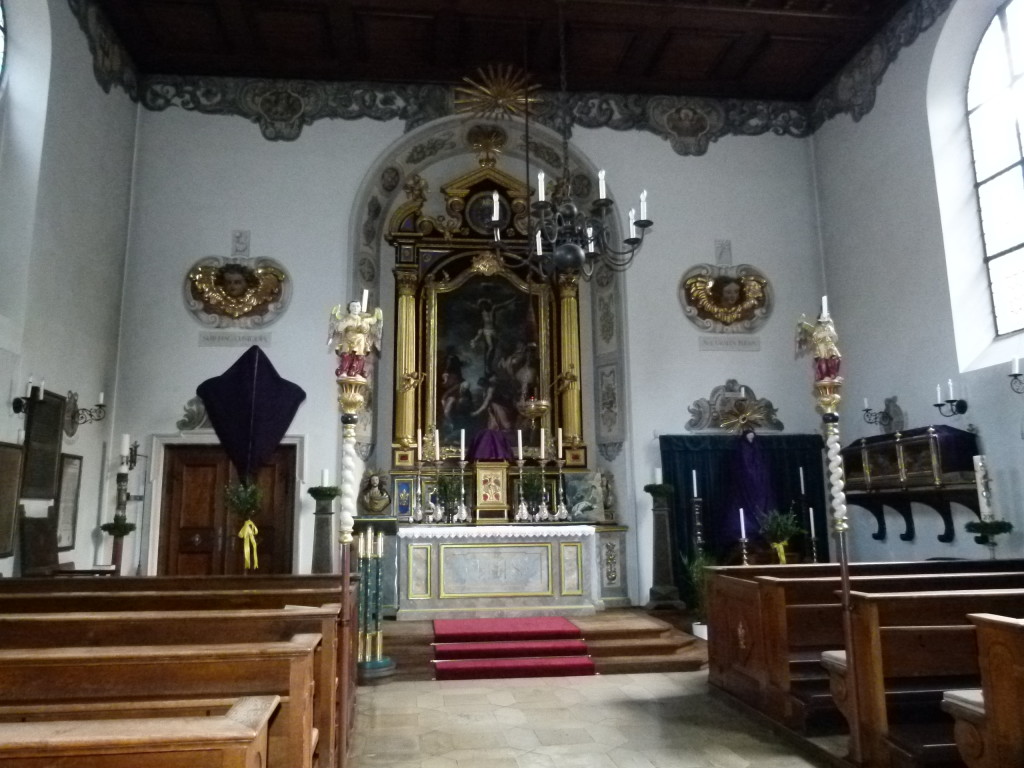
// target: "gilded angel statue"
[[821, 340], [354, 334]]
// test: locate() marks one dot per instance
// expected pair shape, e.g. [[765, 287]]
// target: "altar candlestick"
[[366, 300], [743, 525], [542, 443], [437, 446], [419, 444], [803, 491], [519, 441], [462, 445], [559, 442]]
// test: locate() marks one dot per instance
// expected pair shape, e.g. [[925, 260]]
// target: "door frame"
[[150, 536]]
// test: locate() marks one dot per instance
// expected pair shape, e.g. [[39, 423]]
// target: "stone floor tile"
[[563, 735]]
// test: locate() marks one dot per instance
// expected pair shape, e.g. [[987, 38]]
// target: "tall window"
[[995, 111]]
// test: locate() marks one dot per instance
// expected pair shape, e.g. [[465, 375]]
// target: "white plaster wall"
[[755, 192], [885, 262], [69, 232], [198, 179]]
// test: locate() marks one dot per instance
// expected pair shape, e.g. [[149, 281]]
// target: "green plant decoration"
[[120, 527], [531, 486], [243, 498], [777, 528], [984, 530], [697, 584], [449, 491]]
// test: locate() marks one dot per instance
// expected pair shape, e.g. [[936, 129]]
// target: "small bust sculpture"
[[374, 498]]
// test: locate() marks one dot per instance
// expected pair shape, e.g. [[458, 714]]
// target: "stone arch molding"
[[441, 149]]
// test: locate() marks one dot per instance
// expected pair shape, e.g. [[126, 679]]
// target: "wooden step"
[[645, 646]]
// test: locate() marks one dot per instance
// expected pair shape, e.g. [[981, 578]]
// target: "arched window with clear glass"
[[995, 97]]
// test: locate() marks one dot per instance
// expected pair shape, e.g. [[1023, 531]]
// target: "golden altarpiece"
[[487, 352]]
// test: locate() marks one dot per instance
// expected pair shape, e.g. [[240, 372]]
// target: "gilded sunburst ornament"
[[744, 414], [500, 91]]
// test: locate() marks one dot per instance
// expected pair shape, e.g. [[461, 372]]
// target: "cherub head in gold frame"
[[723, 299], [236, 291]]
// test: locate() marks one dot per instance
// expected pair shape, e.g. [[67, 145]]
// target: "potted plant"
[[697, 591], [778, 528], [985, 532], [449, 494], [244, 499]]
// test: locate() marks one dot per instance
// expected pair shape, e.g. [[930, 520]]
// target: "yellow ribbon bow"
[[248, 536]]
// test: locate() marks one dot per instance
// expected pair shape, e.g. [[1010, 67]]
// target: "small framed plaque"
[[67, 500]]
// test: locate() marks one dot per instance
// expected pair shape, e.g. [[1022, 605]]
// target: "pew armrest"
[[966, 704], [834, 662]]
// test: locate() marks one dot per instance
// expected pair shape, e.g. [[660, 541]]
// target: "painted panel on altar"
[[572, 568], [495, 570], [419, 571]]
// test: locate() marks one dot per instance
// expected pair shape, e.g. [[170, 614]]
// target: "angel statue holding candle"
[[354, 334], [822, 340]]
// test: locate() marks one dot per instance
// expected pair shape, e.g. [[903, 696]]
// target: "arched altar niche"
[[479, 331]]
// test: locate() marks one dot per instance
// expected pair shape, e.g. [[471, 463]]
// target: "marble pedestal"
[[450, 571]]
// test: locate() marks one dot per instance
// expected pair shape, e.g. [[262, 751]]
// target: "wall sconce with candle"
[[33, 393], [952, 405], [73, 415], [882, 418], [1015, 381]]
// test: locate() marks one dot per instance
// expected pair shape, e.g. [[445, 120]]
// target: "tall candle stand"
[[436, 508], [561, 511], [544, 510], [743, 550], [462, 516], [697, 504], [522, 514], [417, 497]]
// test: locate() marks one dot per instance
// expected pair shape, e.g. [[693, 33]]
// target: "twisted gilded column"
[[568, 379], [351, 396], [406, 376]]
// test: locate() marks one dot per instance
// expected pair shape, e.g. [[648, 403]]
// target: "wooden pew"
[[907, 648], [208, 593], [194, 627], [236, 739], [989, 721], [749, 653], [82, 675]]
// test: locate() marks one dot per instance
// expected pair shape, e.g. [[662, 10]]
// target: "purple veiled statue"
[[751, 484]]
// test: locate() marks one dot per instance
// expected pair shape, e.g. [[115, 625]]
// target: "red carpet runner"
[[474, 649]]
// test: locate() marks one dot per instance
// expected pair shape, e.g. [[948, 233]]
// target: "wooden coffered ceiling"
[[747, 49]]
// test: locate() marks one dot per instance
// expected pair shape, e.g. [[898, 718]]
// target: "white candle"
[[42, 388], [28, 387], [1016, 365], [101, 399], [437, 445], [542, 443], [494, 206], [743, 525], [126, 444], [643, 205], [601, 192], [658, 477], [810, 515], [519, 441], [824, 307], [540, 187], [938, 393], [540, 243], [21, 437], [951, 397], [632, 222], [419, 444], [559, 442], [866, 406], [590, 240], [462, 445], [324, 478], [694, 477], [366, 299], [803, 492]]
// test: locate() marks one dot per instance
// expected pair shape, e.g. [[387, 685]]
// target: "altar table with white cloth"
[[447, 571]]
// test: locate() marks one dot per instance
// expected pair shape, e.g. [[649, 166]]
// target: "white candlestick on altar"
[[559, 442], [462, 445], [419, 444], [542, 443], [519, 441], [437, 445], [803, 492], [694, 477], [743, 525], [601, 192]]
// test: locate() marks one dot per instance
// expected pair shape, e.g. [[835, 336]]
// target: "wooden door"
[[199, 536]]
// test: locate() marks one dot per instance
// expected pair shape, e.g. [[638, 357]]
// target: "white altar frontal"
[[449, 571]]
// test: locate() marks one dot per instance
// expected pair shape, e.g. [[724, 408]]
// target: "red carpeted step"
[[476, 669], [508, 649], [486, 630]]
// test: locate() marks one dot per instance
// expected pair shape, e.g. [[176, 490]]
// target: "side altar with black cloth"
[[757, 472], [932, 466]]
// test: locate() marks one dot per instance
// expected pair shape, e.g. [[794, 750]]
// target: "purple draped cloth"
[[751, 485], [490, 445]]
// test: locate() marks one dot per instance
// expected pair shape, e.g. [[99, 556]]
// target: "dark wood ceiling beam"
[[342, 20], [643, 53], [240, 29], [741, 56]]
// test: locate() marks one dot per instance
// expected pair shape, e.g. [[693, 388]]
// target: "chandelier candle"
[[643, 205], [602, 193], [540, 187], [802, 491], [494, 206]]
